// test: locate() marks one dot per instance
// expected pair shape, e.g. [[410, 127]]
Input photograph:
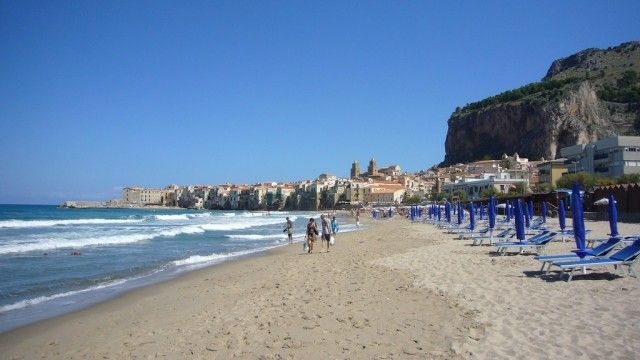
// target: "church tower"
[[373, 168], [355, 170]]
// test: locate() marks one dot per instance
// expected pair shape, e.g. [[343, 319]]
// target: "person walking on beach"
[[334, 226], [289, 230], [326, 230], [312, 231]]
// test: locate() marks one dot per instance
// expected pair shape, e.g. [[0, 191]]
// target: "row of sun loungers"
[[602, 255]]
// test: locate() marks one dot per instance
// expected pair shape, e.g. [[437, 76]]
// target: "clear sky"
[[98, 95]]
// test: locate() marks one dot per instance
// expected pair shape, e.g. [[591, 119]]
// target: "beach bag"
[[332, 240], [305, 246]]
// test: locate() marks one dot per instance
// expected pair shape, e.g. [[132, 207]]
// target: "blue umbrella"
[[447, 212], [578, 221], [459, 214], [492, 213], [527, 215], [439, 216], [613, 216], [472, 217], [544, 212], [519, 223], [481, 211], [492, 217], [562, 215]]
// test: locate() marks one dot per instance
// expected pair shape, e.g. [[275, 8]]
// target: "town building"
[[474, 187], [611, 157], [551, 171]]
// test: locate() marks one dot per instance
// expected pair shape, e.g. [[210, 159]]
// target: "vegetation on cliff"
[[613, 72], [626, 89], [548, 89]]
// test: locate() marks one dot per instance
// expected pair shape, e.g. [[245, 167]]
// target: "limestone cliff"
[[568, 107]]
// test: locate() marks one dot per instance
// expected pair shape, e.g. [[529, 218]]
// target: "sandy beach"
[[394, 290]]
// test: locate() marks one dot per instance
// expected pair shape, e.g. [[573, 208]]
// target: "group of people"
[[329, 228]]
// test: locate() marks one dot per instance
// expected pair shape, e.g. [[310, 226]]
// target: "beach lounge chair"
[[627, 256], [600, 250], [477, 240], [533, 238], [470, 234], [537, 243]]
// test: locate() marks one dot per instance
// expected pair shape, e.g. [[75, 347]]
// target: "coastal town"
[[387, 186]]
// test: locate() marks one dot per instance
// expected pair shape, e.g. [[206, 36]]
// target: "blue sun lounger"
[[468, 234], [627, 256], [477, 240], [600, 250], [537, 242]]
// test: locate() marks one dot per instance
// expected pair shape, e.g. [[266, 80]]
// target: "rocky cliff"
[[584, 97]]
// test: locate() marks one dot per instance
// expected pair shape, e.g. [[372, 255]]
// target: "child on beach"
[[334, 226]]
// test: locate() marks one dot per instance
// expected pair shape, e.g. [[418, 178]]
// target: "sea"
[[58, 260]]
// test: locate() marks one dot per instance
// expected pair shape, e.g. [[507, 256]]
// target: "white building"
[[611, 157], [501, 182]]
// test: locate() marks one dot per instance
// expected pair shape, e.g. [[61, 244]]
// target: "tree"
[[517, 189], [505, 163], [488, 192], [585, 179], [461, 195], [415, 199], [629, 179], [438, 196]]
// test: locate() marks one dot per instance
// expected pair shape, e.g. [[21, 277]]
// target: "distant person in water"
[[312, 231], [289, 230]]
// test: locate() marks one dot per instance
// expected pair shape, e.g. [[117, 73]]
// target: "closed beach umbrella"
[[544, 212], [527, 215], [459, 214], [578, 221], [562, 215], [447, 212], [492, 213], [613, 216], [519, 223], [472, 217]]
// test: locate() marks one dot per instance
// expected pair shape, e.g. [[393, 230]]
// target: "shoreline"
[[395, 289], [265, 305]]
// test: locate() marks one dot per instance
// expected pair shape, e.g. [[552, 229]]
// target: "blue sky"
[[97, 95]]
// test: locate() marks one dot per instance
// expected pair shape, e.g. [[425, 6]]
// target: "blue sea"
[[57, 260]]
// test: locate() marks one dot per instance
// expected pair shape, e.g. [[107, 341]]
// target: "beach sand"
[[393, 290]]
